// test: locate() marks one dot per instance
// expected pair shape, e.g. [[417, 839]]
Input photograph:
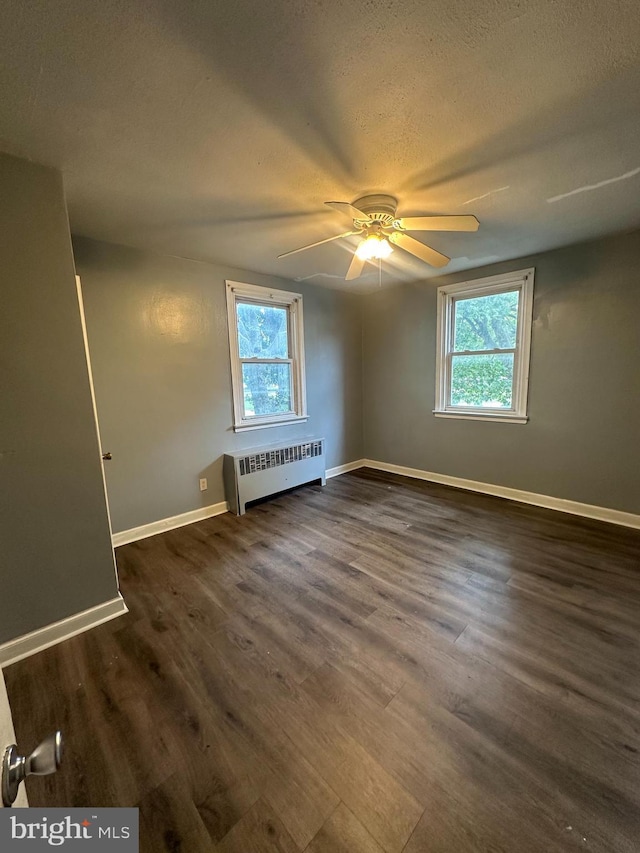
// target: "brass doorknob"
[[107, 456]]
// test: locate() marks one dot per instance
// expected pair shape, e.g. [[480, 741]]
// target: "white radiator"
[[263, 471]]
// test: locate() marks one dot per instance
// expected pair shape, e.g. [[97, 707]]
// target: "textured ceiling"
[[217, 130]]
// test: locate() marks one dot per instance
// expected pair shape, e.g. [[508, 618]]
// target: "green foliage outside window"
[[484, 323], [263, 333]]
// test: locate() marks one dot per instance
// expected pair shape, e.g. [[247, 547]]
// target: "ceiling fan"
[[374, 219]]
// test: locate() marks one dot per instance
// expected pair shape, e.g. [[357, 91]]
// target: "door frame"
[[8, 737], [87, 354]]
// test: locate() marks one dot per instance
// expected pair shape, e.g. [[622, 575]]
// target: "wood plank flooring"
[[377, 666]]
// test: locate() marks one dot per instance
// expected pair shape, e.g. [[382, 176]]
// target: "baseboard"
[[164, 524], [51, 635], [343, 469], [124, 537], [600, 513], [614, 516]]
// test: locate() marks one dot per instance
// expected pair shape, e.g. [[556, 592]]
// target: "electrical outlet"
[[203, 484]]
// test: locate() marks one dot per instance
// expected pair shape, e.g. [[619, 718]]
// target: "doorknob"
[[107, 456], [44, 759]]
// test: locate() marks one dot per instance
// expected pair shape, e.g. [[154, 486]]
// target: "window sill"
[[475, 416], [264, 424]]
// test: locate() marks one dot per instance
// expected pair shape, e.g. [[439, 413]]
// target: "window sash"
[[504, 409], [261, 303], [292, 409], [498, 351], [266, 360]]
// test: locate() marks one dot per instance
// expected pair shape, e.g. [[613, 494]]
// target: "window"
[[484, 334], [267, 355]]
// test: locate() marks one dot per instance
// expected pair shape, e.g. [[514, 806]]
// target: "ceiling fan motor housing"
[[379, 208]]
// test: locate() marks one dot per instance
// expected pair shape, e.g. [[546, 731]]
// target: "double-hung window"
[[267, 355], [483, 341]]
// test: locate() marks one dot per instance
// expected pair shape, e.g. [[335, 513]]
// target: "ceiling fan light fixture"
[[376, 223], [373, 248]]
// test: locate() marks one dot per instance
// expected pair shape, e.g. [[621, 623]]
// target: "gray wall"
[[583, 439], [55, 551], [158, 338]]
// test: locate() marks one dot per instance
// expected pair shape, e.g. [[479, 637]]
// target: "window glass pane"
[[482, 380], [262, 331], [486, 322], [267, 389]]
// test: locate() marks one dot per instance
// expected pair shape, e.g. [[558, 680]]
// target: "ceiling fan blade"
[[439, 223], [319, 243], [355, 268], [415, 247], [348, 209]]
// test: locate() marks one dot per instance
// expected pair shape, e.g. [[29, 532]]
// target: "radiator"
[[263, 471]]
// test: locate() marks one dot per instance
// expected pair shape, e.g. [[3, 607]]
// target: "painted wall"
[[157, 328], [55, 552], [583, 439]]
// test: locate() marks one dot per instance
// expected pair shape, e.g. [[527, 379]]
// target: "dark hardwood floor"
[[378, 665]]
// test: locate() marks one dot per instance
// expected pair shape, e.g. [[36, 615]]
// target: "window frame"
[[240, 292], [448, 295]]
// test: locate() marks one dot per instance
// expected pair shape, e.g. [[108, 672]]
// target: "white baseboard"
[[50, 635], [600, 513], [342, 469], [164, 524], [627, 519]]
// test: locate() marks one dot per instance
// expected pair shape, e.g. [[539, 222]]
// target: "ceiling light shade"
[[374, 247]]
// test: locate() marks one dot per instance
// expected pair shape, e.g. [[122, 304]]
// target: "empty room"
[[320, 426]]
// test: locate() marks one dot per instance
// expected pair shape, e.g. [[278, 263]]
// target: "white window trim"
[[240, 292], [522, 280]]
